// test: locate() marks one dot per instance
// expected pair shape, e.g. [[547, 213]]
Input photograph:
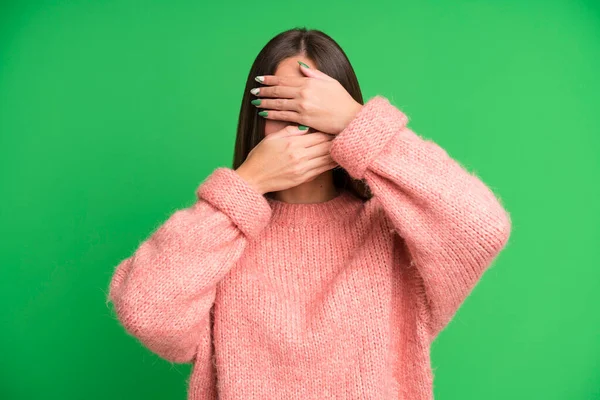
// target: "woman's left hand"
[[315, 100]]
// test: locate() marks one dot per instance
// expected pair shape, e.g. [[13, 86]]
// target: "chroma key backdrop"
[[112, 112]]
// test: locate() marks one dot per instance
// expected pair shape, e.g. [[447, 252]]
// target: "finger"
[[314, 139], [290, 130], [282, 92], [318, 165], [314, 73], [272, 80], [288, 116], [277, 104], [326, 167], [312, 174], [319, 150]]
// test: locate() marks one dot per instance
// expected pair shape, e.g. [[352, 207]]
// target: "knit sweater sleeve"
[[163, 293], [451, 223]]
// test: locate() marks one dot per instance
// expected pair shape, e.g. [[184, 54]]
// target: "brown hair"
[[329, 58]]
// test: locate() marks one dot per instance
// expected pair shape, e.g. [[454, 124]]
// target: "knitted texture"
[[334, 300]]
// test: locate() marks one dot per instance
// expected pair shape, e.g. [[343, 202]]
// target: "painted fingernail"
[[260, 79], [263, 113], [304, 65], [256, 102], [302, 127], [255, 91]]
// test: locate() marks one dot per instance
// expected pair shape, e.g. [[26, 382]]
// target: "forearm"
[[452, 223]]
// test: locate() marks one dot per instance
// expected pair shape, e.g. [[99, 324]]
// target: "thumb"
[[291, 130], [313, 72]]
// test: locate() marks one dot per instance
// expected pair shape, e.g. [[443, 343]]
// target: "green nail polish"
[[256, 102], [304, 65], [263, 113], [302, 127]]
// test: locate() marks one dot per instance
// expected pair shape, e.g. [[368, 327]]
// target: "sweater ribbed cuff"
[[231, 194], [355, 148]]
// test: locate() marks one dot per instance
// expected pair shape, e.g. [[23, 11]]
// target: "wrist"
[[351, 115], [357, 109], [250, 178]]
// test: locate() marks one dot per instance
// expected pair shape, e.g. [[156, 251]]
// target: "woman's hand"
[[315, 100], [287, 158]]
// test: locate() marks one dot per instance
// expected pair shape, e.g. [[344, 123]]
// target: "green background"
[[112, 112]]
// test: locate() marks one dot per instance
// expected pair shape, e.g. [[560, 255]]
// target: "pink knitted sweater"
[[334, 300]]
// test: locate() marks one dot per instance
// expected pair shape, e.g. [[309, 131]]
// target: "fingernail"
[[255, 91], [263, 113], [260, 79], [304, 65], [256, 102], [302, 127]]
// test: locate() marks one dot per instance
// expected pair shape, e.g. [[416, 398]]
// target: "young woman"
[[327, 260]]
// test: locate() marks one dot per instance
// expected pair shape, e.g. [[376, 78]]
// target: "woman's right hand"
[[287, 158]]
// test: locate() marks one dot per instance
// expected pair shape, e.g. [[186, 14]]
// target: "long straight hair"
[[329, 58]]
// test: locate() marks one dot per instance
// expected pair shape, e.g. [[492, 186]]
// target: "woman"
[[322, 265]]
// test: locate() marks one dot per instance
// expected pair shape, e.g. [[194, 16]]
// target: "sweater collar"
[[343, 206]]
